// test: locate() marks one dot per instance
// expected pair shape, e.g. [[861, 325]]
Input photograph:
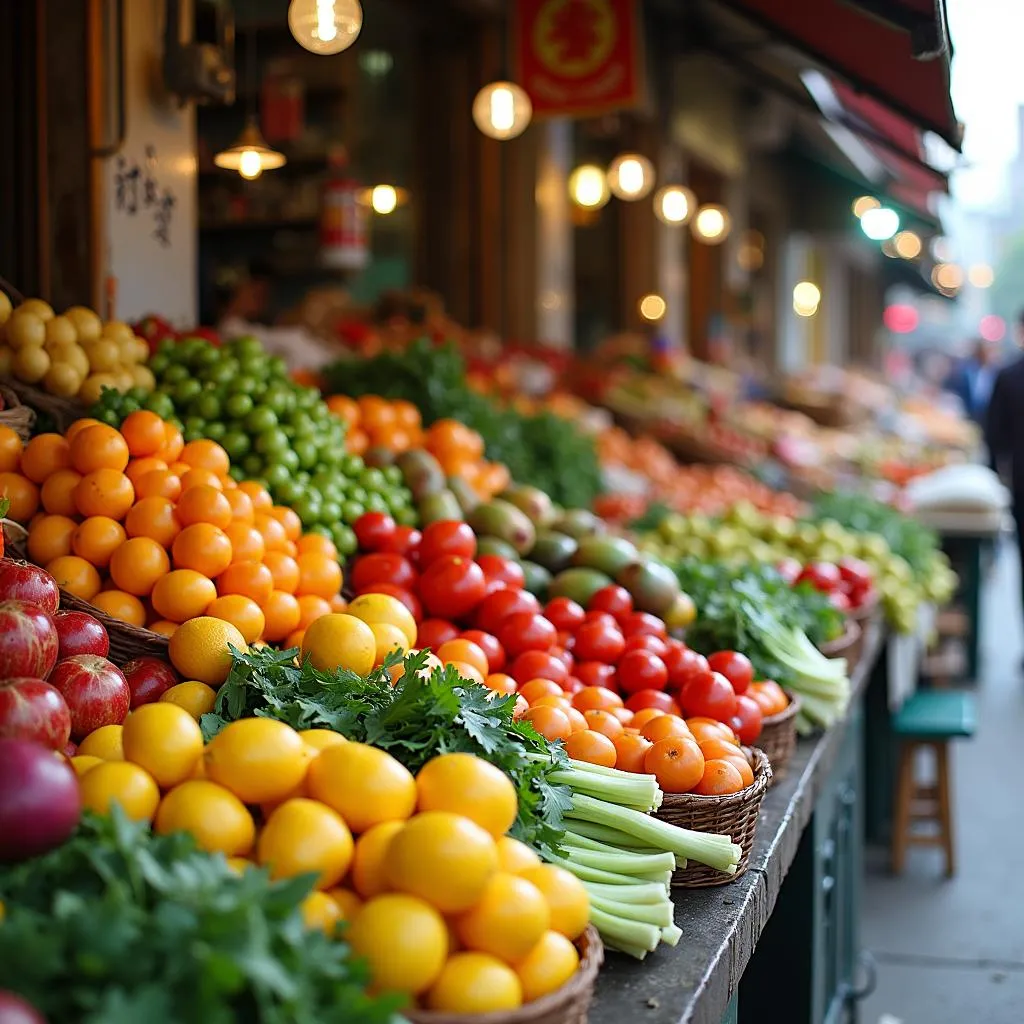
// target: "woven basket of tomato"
[[778, 730], [847, 645]]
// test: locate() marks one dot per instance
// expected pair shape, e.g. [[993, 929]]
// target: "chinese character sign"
[[578, 57], [135, 190]]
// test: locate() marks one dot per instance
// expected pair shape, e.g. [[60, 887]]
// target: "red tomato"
[[735, 667], [452, 587], [382, 567], [657, 699], [563, 638], [640, 670], [599, 641], [564, 656], [685, 666], [493, 586], [526, 631], [497, 568], [565, 613], [855, 572], [595, 673], [839, 600], [496, 607], [789, 569], [642, 622], [746, 722], [404, 541], [614, 599], [823, 576], [446, 537], [537, 665], [374, 530], [571, 685], [431, 633], [646, 642], [490, 646], [710, 696], [599, 616], [407, 597]]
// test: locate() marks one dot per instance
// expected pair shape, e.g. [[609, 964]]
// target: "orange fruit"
[[209, 455], [284, 569], [258, 495], [282, 613], [242, 612], [104, 492], [319, 574], [229, 483], [249, 579], [375, 412], [317, 542], [163, 626], [241, 504], [204, 504], [246, 542], [153, 517], [137, 565], [75, 575], [138, 468], [272, 532], [406, 414], [173, 444], [119, 605], [202, 547], [78, 426], [10, 450], [99, 447], [311, 608], [158, 483], [357, 442], [181, 595], [23, 496], [43, 456], [345, 408], [293, 639], [58, 493], [96, 539], [144, 433], [338, 603], [196, 477], [49, 537], [289, 519]]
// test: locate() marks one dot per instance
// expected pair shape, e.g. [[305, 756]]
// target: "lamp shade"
[[250, 155]]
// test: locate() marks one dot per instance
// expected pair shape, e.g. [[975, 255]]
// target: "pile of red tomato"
[[849, 583]]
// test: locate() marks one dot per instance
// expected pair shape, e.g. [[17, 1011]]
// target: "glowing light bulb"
[[806, 294], [502, 110], [674, 204], [588, 187], [712, 224], [880, 223], [652, 307], [947, 276], [384, 199], [981, 275], [907, 245], [325, 26], [250, 165], [631, 176], [862, 204]]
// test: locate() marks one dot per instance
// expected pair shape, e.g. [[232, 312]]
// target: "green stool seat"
[[936, 715]]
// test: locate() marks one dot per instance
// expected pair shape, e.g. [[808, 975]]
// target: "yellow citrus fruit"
[[387, 639], [514, 856], [199, 649], [30, 364], [386, 609], [62, 379], [119, 605], [363, 784], [403, 940], [443, 858], [87, 324], [321, 912], [348, 901], [75, 575], [368, 874], [507, 921], [104, 743], [304, 836], [195, 697], [475, 983], [566, 898], [165, 740], [548, 966], [83, 762], [321, 739], [259, 759], [339, 640], [25, 329], [123, 783], [96, 539], [242, 612], [218, 821], [50, 537], [470, 786], [239, 864], [182, 594]]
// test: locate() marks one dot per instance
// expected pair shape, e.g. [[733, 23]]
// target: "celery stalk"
[[671, 935], [659, 914], [623, 932], [583, 843], [641, 893], [609, 835], [624, 863]]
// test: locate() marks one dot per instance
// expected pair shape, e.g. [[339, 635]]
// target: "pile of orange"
[[460, 451], [375, 422], [154, 532]]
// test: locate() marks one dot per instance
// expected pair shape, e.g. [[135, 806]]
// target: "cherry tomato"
[[497, 568], [646, 642], [593, 697], [537, 665], [571, 685], [452, 587], [552, 723], [591, 746], [565, 613], [382, 567], [855, 572], [789, 569], [735, 667], [686, 666], [496, 607], [599, 616], [431, 633], [640, 670], [563, 638], [564, 656], [404, 541], [464, 652], [374, 530], [493, 586], [710, 696], [526, 631], [823, 576], [595, 673], [489, 645], [642, 622], [407, 597], [840, 601], [614, 599], [447, 537], [747, 720], [657, 699], [599, 641]]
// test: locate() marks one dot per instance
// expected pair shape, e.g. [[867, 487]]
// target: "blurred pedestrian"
[[973, 379]]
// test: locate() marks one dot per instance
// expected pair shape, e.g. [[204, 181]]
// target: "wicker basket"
[[778, 737], [20, 418], [733, 815], [567, 1005], [847, 646], [865, 612], [63, 411]]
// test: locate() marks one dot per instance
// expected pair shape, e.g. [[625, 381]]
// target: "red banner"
[[579, 57]]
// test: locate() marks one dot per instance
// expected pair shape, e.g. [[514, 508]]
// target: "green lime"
[[393, 475], [372, 479], [175, 374], [186, 390], [252, 464], [208, 406], [332, 511], [405, 517], [235, 443], [289, 492], [238, 406], [215, 430], [351, 511], [376, 503], [260, 420], [352, 465], [344, 540], [272, 442], [288, 459], [276, 475]]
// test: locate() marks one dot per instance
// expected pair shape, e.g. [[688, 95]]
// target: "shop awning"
[[874, 46]]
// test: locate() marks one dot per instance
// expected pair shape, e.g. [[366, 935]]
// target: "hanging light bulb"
[[806, 298], [652, 307], [907, 245], [325, 26], [384, 199], [502, 110], [712, 223], [588, 187], [862, 204], [674, 204], [250, 155], [880, 223], [631, 176]]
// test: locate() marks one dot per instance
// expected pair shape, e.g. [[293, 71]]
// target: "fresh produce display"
[[73, 354], [274, 431]]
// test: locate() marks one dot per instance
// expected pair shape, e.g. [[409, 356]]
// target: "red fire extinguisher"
[[344, 242]]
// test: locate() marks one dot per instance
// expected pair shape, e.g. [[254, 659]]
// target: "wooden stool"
[[930, 718]]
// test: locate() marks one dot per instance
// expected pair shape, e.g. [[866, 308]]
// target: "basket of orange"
[[374, 422], [778, 726], [14, 417]]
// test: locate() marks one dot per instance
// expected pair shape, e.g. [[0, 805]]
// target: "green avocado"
[[423, 473], [608, 554], [578, 584], [436, 507], [506, 522], [464, 493], [538, 579], [578, 523], [553, 550], [531, 500], [654, 585], [496, 546]]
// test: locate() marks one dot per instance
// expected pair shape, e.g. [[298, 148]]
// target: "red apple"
[[70, 748], [22, 582], [33, 710], [96, 691], [80, 633], [28, 640], [148, 678]]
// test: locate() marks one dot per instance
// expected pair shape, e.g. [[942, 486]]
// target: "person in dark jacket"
[[972, 381]]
